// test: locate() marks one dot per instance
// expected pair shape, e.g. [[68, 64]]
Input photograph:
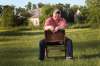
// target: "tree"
[[74, 8], [65, 11], [20, 10], [94, 14], [40, 5], [84, 13], [46, 11], [63, 8], [34, 6], [0, 9], [21, 17], [7, 16], [29, 6]]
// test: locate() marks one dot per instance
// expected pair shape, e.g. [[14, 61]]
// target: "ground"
[[21, 48]]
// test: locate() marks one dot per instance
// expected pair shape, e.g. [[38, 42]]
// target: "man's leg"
[[69, 48], [42, 46]]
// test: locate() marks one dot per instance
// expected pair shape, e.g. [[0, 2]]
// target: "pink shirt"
[[51, 22]]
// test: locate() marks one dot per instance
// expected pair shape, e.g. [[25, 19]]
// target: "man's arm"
[[48, 25], [62, 25]]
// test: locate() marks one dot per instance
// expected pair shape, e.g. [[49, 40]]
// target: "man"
[[55, 23]]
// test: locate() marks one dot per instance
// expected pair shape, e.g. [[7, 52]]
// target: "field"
[[21, 48]]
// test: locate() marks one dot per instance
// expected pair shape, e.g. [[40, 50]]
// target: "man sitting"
[[55, 23]]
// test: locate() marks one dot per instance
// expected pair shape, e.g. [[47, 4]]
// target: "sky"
[[22, 3]]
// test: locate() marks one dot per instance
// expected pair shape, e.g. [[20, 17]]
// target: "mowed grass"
[[21, 48]]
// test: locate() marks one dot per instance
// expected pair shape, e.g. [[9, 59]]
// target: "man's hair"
[[57, 11]]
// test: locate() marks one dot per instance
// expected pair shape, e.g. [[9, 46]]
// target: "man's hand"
[[56, 29], [51, 28]]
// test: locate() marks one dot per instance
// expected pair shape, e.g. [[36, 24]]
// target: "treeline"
[[89, 16], [68, 12], [11, 16]]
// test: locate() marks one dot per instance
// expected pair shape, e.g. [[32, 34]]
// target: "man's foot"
[[69, 58], [41, 59]]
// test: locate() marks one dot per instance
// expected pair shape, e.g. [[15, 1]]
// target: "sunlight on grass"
[[22, 49]]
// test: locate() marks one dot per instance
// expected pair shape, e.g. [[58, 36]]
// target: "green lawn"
[[21, 48]]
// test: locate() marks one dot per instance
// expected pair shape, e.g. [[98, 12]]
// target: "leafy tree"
[[84, 13], [7, 16], [70, 16], [64, 9], [22, 12], [0, 9], [74, 8], [46, 11], [94, 14], [40, 5], [34, 6], [29, 6], [21, 17]]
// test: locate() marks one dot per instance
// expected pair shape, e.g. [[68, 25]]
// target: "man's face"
[[56, 16]]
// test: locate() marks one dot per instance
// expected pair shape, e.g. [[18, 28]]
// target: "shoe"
[[41, 59], [69, 58]]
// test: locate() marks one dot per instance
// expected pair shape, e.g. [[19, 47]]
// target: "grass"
[[21, 48]]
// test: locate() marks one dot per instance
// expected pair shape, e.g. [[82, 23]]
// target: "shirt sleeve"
[[47, 24]]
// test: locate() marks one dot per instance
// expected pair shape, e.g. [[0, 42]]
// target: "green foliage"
[[90, 14], [29, 6], [94, 14], [40, 5], [74, 8], [22, 12], [7, 16], [46, 11], [67, 12], [0, 10], [84, 13], [21, 17], [34, 6]]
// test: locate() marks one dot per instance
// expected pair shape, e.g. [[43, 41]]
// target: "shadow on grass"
[[81, 46], [15, 53], [17, 56], [56, 57], [90, 56], [89, 45], [19, 33]]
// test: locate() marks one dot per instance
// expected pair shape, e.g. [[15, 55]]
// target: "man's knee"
[[68, 39], [69, 42], [42, 42]]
